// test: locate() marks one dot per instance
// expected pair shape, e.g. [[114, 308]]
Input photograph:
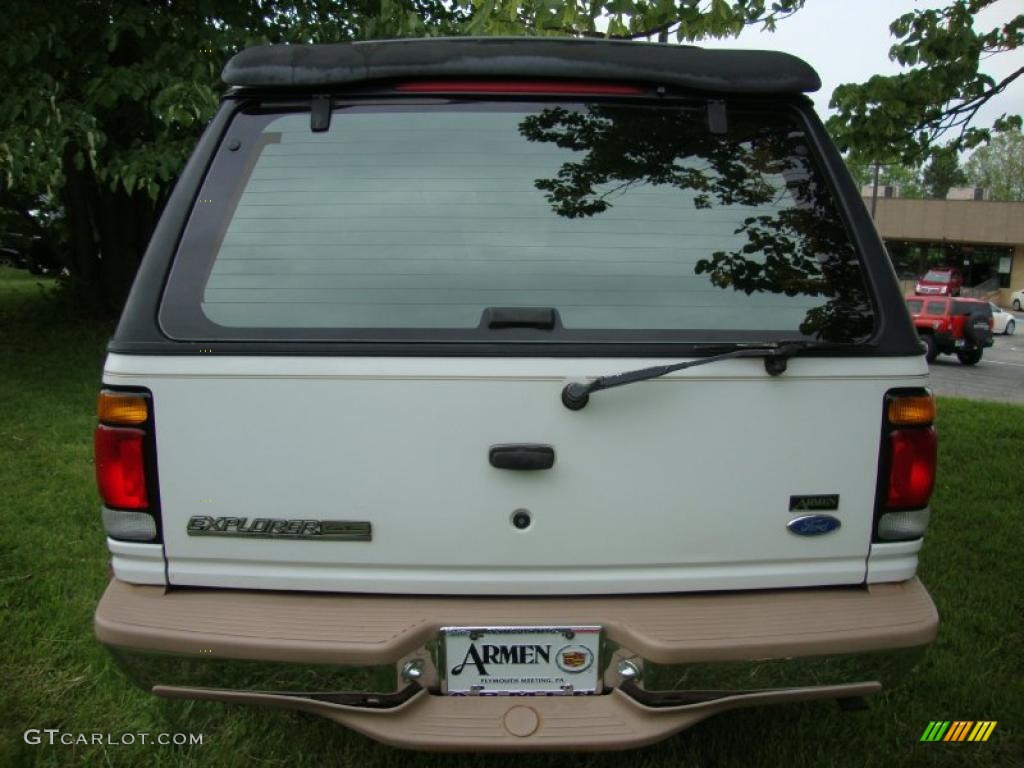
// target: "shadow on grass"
[[61, 303]]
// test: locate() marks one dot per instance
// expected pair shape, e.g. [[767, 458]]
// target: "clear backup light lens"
[[130, 526], [903, 526]]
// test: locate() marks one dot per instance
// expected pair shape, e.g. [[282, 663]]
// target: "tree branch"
[[666, 28], [972, 105]]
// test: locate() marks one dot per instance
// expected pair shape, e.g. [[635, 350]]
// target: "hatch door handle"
[[522, 456]]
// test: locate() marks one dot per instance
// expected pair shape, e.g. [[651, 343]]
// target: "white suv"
[[506, 393]]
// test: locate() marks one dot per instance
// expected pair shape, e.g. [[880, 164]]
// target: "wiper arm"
[[577, 394]]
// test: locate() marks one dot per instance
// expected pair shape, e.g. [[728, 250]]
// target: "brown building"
[[983, 238]]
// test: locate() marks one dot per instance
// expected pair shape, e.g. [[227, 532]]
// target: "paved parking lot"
[[999, 376]]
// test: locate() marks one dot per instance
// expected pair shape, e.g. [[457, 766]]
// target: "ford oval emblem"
[[813, 525]]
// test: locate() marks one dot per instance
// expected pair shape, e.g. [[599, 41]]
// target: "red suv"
[[952, 326], [941, 281]]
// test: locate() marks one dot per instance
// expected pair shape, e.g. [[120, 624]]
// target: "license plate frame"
[[521, 660]]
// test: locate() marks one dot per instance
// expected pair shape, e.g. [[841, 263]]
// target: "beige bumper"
[[524, 724], [771, 630]]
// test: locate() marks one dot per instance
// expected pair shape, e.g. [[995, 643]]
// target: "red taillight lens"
[[120, 467], [521, 86], [911, 468]]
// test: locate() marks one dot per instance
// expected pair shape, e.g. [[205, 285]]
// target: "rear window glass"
[[971, 307], [411, 221]]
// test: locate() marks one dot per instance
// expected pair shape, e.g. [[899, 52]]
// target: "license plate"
[[959, 343], [521, 660]]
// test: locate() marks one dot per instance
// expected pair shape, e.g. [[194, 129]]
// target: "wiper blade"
[[775, 354]]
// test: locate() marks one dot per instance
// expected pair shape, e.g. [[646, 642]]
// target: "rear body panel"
[[317, 347], [679, 484]]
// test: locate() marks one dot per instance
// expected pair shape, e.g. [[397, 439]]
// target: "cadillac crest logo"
[[574, 658]]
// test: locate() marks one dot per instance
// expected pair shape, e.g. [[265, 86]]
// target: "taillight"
[[907, 465], [124, 467], [121, 467], [912, 454]]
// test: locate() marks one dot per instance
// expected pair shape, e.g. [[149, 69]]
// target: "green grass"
[[53, 568]]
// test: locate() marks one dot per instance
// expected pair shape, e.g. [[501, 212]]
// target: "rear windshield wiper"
[[775, 354]]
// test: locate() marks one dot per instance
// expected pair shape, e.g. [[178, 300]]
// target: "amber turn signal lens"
[[122, 408], [912, 410]]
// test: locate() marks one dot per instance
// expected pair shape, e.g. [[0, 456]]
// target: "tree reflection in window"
[[799, 247]]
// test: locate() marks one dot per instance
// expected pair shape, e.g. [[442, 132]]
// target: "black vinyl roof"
[[717, 71]]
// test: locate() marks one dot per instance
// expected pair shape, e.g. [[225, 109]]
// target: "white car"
[[1002, 321], [515, 376], [1017, 300]]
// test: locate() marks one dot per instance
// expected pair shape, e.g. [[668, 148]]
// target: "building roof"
[[964, 221], [688, 67]]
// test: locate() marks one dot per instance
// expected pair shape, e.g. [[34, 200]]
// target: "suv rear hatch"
[[369, 296]]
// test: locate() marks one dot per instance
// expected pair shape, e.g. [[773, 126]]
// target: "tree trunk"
[[124, 223], [82, 257], [109, 230]]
